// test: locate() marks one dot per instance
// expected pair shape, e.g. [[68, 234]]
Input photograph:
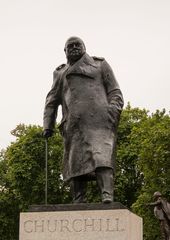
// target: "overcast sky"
[[132, 35]]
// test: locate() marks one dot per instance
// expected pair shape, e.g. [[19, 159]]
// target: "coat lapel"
[[85, 66]]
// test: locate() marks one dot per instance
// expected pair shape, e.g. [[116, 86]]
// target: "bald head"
[[157, 194], [74, 39], [74, 49]]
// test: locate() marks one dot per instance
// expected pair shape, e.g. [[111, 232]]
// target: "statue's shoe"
[[107, 198]]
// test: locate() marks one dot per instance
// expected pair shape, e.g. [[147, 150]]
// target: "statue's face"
[[74, 49]]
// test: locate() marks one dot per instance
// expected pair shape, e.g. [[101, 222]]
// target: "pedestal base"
[[80, 222]]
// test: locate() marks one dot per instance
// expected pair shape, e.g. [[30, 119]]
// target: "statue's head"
[[74, 49], [157, 194]]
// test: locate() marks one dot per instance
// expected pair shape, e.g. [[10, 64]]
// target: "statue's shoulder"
[[98, 58], [58, 71], [60, 67]]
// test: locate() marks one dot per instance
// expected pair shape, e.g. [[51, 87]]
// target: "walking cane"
[[46, 171]]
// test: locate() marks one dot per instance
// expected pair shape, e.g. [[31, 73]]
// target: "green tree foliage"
[[26, 166], [22, 178], [154, 164], [128, 178], [142, 167], [9, 211]]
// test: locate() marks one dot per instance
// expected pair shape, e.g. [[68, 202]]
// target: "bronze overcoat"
[[91, 103]]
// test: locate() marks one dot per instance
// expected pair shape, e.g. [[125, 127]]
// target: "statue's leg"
[[166, 229], [163, 231], [78, 189], [105, 182]]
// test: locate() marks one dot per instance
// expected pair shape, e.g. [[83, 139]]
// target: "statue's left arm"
[[114, 94]]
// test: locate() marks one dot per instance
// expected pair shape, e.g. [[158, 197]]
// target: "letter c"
[[26, 224], [74, 227]]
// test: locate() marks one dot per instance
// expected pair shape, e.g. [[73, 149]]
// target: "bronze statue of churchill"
[[91, 103]]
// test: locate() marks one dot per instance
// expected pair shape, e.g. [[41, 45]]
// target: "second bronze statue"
[[91, 103]]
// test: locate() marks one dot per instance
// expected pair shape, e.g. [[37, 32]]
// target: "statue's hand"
[[47, 133], [112, 117]]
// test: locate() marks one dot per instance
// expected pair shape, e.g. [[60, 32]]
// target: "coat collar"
[[84, 66], [88, 60]]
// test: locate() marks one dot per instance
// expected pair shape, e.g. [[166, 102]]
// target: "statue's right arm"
[[53, 100], [156, 203]]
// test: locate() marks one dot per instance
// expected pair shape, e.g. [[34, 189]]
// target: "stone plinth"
[[78, 222]]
